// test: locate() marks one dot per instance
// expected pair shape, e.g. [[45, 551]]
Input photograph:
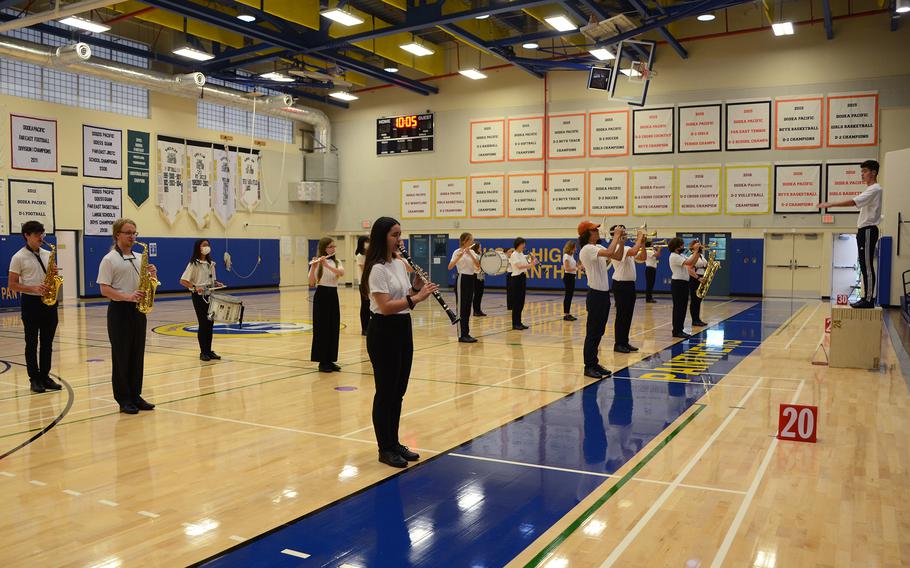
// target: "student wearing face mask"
[[199, 279], [679, 284]]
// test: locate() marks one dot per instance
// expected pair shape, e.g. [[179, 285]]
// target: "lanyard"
[[131, 259], [38, 256]]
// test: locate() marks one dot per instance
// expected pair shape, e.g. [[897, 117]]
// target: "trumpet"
[[656, 244]]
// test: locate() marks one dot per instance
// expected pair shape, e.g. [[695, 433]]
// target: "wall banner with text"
[[566, 193], [171, 176], [416, 198], [652, 191], [31, 200], [138, 166], [608, 193], [853, 119], [525, 196], [652, 131], [798, 122], [487, 196], [201, 167], [748, 125], [33, 143], [450, 198], [700, 128], [250, 168], [4, 209], [224, 196], [608, 133], [487, 141], [698, 190], [797, 188], [102, 152], [566, 136], [843, 181], [747, 189], [101, 207], [526, 139]]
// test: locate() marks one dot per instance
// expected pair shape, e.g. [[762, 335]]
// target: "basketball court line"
[[800, 330]]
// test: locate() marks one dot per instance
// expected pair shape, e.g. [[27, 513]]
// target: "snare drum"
[[224, 308], [494, 262]]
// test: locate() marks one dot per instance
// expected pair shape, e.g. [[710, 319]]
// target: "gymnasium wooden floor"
[[691, 475]]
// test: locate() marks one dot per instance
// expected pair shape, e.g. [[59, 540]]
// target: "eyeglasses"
[[130, 233]]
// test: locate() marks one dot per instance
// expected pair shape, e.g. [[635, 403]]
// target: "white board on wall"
[[699, 127], [34, 143], [102, 152], [608, 133], [526, 194], [652, 131], [798, 122], [652, 190], [852, 119], [843, 181], [416, 198], [748, 125], [699, 190], [450, 198], [566, 136], [797, 187], [526, 141], [487, 196], [31, 200], [487, 141], [747, 189], [566, 193], [101, 207], [608, 192]]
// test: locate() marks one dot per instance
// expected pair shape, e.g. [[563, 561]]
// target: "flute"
[[453, 317]]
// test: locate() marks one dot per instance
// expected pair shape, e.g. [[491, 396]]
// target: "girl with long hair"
[[518, 268], [570, 270], [468, 264], [199, 279], [325, 271], [360, 255], [390, 341], [478, 284]]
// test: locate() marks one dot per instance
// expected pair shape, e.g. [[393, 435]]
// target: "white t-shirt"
[[652, 259], [870, 206], [595, 267], [573, 264], [359, 259], [677, 269], [26, 265], [624, 270], [199, 273], [516, 259], [120, 271], [329, 278], [465, 264], [700, 265], [392, 279]]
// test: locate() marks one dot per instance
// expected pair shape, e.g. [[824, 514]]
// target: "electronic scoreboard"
[[404, 134]]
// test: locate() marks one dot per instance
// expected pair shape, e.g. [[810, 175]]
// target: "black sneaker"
[[520, 327], [37, 385], [129, 409], [630, 348], [50, 384], [143, 404], [205, 357], [621, 349], [682, 334], [467, 339], [407, 454], [603, 372], [593, 373], [325, 368], [213, 355], [393, 459], [335, 367], [863, 305], [699, 323], [479, 314], [569, 317]]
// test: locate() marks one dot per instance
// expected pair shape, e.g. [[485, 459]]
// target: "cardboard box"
[[856, 338]]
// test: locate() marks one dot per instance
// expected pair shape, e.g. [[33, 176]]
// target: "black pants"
[[390, 345], [519, 288], [866, 239], [40, 323], [204, 335], [680, 291], [478, 295], [598, 306], [569, 281], [126, 331], [364, 314], [624, 292], [508, 290], [694, 300], [464, 291], [650, 278], [326, 325]]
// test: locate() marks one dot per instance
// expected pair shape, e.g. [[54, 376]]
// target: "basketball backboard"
[[632, 71]]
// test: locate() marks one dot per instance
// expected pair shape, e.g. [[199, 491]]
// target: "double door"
[[793, 265]]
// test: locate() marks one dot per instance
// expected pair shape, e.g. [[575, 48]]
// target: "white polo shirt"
[[465, 264], [329, 278], [595, 267], [199, 273], [624, 270], [26, 265], [677, 269], [516, 259], [651, 259], [120, 271], [870, 206], [700, 265], [392, 279], [573, 264]]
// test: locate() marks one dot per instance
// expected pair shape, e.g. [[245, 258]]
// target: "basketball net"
[[640, 72]]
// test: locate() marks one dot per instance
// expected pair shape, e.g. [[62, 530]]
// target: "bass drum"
[[494, 262]]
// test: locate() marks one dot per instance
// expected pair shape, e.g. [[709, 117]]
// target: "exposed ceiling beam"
[[499, 52], [575, 10], [370, 71], [226, 56], [664, 32], [829, 26]]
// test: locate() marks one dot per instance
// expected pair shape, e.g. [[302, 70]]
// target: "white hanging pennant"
[[225, 194], [198, 193], [250, 192], [171, 174]]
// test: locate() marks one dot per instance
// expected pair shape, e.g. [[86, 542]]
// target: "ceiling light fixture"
[[602, 54], [193, 53], [706, 17], [343, 96], [902, 6], [342, 17], [391, 69], [482, 17], [561, 23], [83, 24], [278, 77], [530, 45], [416, 49], [782, 28], [473, 74], [248, 18]]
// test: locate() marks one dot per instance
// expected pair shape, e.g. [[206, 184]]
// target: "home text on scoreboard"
[[405, 134]]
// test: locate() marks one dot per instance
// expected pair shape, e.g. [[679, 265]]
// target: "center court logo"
[[256, 328]]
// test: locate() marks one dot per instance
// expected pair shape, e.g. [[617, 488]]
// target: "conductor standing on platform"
[[870, 211]]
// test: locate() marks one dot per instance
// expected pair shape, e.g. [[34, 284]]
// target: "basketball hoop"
[[639, 72]]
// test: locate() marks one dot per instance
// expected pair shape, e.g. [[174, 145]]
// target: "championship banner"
[[171, 174], [31, 200], [698, 189], [450, 198], [652, 191], [487, 196], [608, 193], [699, 128], [566, 136], [4, 209], [608, 133], [487, 141], [416, 198], [101, 207], [566, 194], [250, 190], [526, 139], [843, 181], [225, 191], [797, 188], [853, 119], [747, 189], [34, 143], [749, 125], [652, 131], [200, 165], [138, 164], [526, 195], [102, 152], [798, 122]]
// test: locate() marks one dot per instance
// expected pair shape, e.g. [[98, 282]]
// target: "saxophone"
[[710, 271], [147, 282], [52, 281]]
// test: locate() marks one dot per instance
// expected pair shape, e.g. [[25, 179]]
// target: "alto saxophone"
[[147, 282], [710, 271], [52, 281]]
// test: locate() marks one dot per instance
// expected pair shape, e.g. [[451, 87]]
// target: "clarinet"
[[453, 317]]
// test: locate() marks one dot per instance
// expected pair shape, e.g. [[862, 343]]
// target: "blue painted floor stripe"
[[456, 511]]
